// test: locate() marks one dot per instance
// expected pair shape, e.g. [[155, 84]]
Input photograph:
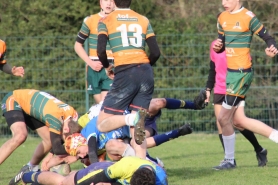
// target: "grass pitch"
[[187, 160]]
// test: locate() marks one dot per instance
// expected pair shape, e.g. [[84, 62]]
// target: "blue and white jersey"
[[102, 137]]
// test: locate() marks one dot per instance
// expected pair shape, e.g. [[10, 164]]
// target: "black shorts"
[[132, 87], [16, 115], [218, 98]]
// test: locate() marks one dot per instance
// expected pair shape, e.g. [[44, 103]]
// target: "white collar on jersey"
[[239, 10], [100, 15], [122, 8]]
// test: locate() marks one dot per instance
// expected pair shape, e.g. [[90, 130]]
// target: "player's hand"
[[18, 71], [96, 65], [44, 163], [208, 96], [110, 72], [271, 51], [71, 159], [218, 44]]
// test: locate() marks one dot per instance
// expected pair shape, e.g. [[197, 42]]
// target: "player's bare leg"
[[256, 126], [97, 98], [226, 121], [217, 108], [43, 148], [19, 135]]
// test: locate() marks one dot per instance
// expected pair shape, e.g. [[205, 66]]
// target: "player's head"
[[107, 6], [76, 145], [231, 5], [69, 127], [122, 3], [143, 176]]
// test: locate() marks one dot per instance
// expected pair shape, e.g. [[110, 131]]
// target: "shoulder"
[[249, 13], [91, 17], [222, 14], [2, 43]]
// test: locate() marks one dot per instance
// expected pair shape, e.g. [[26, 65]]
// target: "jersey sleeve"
[[255, 25], [219, 27], [85, 30], [2, 52], [150, 31], [54, 124], [102, 29]]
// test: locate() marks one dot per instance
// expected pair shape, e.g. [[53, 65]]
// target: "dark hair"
[[74, 127], [143, 176], [122, 3]]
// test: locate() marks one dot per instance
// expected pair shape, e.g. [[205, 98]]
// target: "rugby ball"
[[62, 169]]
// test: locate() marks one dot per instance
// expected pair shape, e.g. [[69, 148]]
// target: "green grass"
[[188, 160]]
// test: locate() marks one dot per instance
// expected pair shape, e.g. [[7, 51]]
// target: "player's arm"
[[219, 45], [269, 40], [154, 49], [6, 68], [211, 76], [92, 144], [79, 49], [101, 49], [57, 144]]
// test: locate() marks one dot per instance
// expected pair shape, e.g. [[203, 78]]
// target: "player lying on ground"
[[154, 110], [39, 111], [151, 129], [108, 146], [129, 170]]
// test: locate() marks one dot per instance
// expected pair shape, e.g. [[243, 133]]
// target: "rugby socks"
[[229, 144], [176, 104], [221, 140], [129, 151], [31, 177], [274, 136], [250, 136], [129, 119], [162, 138]]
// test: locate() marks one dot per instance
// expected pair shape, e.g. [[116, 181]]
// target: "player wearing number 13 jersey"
[[127, 33]]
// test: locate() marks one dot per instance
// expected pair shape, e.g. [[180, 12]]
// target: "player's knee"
[[160, 103], [19, 138], [100, 128], [238, 124], [222, 120]]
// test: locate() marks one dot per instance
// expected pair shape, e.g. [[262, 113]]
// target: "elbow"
[[157, 55]]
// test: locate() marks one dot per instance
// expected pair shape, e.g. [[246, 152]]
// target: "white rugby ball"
[[63, 169]]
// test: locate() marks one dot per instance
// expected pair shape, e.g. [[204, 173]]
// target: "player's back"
[[127, 32], [44, 107]]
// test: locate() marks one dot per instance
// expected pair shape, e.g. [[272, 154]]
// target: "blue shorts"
[[103, 137], [132, 87], [83, 176]]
